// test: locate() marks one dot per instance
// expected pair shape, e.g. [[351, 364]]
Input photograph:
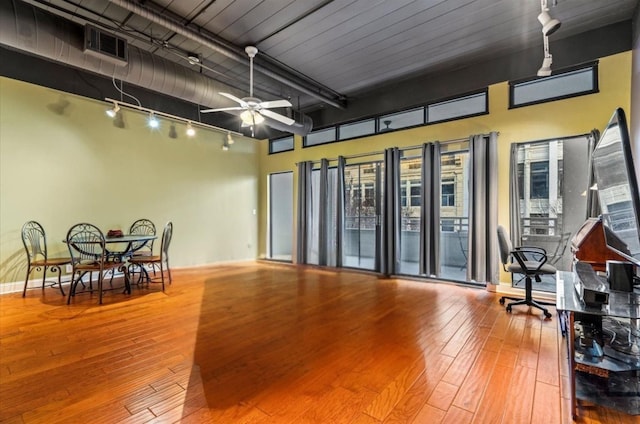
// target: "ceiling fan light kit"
[[253, 109]]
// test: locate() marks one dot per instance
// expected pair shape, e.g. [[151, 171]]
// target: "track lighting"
[[111, 113], [545, 69], [153, 121], [549, 25], [190, 130]]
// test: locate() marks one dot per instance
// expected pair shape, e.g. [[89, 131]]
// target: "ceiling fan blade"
[[222, 109], [281, 118], [275, 103], [235, 99]]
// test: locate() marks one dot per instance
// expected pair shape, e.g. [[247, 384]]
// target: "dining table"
[[127, 244]]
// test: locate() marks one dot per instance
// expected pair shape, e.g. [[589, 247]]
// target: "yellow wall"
[[574, 116], [65, 169]]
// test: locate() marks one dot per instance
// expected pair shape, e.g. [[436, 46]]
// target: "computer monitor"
[[617, 188]]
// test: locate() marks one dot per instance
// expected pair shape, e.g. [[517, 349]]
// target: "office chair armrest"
[[531, 253], [539, 256]]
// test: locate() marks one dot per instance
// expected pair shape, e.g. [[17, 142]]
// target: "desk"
[[608, 373]]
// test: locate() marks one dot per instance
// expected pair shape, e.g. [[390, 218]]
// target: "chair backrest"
[[167, 233], [86, 243], [145, 227], [34, 240], [504, 243]]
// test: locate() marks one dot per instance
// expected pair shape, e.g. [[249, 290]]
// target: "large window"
[[551, 179]]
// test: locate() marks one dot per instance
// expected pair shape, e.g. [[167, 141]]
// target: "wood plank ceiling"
[[345, 46]]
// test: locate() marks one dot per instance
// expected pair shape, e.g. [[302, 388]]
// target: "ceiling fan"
[[254, 110]]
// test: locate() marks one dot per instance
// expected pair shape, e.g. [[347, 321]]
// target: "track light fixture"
[[111, 113], [549, 24], [190, 130], [172, 131], [545, 69], [153, 121]]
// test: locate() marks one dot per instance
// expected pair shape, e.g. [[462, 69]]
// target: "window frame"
[[513, 85], [273, 140]]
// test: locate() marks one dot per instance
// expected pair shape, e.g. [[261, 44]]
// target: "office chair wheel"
[[502, 300], [508, 308], [547, 314]]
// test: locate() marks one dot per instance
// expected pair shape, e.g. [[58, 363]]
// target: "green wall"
[[563, 118], [61, 169]]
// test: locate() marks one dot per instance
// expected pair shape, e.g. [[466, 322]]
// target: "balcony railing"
[[447, 224]]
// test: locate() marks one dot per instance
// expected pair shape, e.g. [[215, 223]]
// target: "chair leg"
[[162, 275], [100, 278], [26, 281], [59, 279], [72, 287], [44, 276]]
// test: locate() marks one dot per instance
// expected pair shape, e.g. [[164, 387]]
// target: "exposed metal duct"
[[217, 46], [27, 28]]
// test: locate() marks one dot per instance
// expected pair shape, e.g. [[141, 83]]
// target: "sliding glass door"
[[411, 207], [280, 216], [454, 214], [363, 204]]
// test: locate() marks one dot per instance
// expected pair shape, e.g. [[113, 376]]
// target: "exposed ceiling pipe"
[[26, 28], [235, 54]]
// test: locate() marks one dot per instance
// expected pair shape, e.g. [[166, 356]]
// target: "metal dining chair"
[[35, 244], [145, 227], [87, 247], [160, 262]]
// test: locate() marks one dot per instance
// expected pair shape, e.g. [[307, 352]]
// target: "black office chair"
[[529, 261]]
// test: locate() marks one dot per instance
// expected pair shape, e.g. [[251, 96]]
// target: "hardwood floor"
[[270, 343]]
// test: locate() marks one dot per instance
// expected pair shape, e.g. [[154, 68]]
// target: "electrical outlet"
[[69, 268]]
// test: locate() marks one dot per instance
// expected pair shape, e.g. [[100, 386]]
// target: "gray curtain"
[[340, 211], [430, 211], [304, 210], [483, 209], [514, 197], [593, 207], [391, 215], [323, 214]]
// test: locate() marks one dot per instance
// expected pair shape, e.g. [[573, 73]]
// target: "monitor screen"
[[617, 188]]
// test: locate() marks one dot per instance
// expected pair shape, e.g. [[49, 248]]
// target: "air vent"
[[105, 45]]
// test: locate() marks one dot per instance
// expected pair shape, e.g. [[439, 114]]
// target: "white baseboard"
[[18, 286]]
